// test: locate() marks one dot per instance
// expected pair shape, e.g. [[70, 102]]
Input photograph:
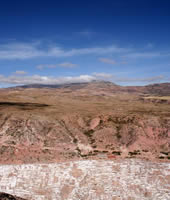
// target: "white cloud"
[[40, 67], [103, 75], [20, 72], [107, 60], [37, 79], [84, 51], [67, 65], [124, 62], [144, 55], [51, 66], [149, 45], [33, 50], [86, 33], [20, 50], [145, 79]]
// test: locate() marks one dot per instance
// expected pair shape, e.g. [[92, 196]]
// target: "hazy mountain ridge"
[[155, 89]]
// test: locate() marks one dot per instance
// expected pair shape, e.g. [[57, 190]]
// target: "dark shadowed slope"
[[5, 196]]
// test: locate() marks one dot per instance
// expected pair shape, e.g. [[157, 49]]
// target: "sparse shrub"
[[75, 140], [161, 157], [136, 152], [84, 156], [165, 153], [116, 153], [101, 121], [118, 135], [89, 133], [92, 141], [104, 151]]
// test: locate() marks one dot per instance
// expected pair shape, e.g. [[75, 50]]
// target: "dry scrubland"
[[98, 127], [82, 121]]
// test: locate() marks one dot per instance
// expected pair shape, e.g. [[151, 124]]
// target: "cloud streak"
[[33, 50], [103, 75], [145, 79], [20, 72], [107, 61], [21, 51], [37, 79], [52, 66], [86, 33], [144, 55], [67, 65]]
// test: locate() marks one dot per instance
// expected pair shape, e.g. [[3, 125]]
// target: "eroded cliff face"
[[25, 139]]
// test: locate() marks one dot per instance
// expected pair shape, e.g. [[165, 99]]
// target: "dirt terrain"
[[83, 121]]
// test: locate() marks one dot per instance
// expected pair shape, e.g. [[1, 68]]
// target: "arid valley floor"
[[85, 141]]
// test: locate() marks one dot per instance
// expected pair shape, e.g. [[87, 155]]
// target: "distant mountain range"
[[160, 89]]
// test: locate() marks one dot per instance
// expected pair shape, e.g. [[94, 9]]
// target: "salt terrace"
[[88, 180]]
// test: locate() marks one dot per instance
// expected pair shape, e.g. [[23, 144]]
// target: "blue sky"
[[52, 42]]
